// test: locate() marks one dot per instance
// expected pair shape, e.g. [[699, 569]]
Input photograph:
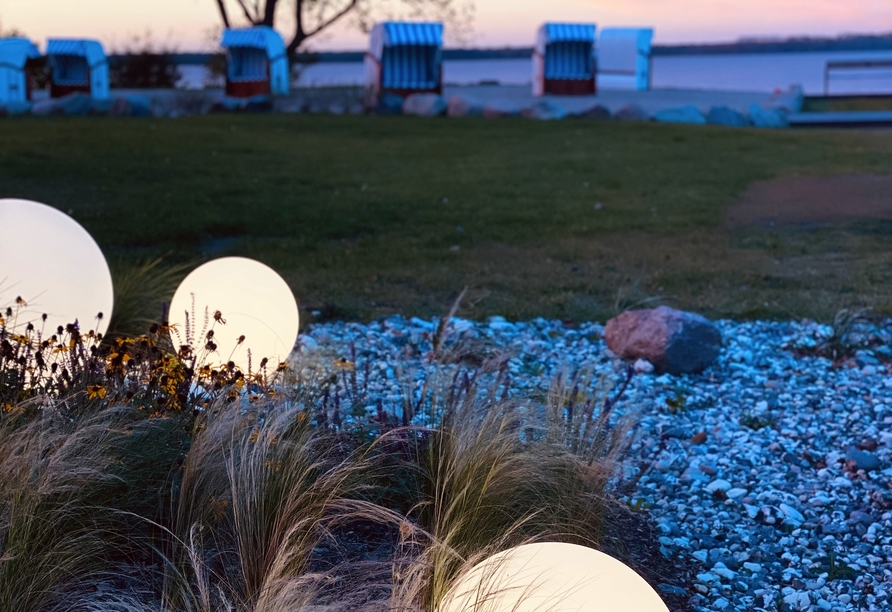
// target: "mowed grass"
[[368, 216], [848, 104]]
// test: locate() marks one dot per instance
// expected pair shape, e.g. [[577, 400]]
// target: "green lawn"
[[368, 216], [848, 103]]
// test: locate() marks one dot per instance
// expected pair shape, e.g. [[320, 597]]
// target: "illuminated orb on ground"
[[55, 266], [253, 300], [552, 577]]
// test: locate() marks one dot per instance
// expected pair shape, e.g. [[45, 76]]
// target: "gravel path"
[[771, 470]]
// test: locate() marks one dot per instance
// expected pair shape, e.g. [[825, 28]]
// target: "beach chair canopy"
[[72, 60], [15, 52], [409, 54], [78, 65], [567, 49], [625, 53], [256, 54]]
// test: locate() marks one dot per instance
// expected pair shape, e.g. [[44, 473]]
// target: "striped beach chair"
[[77, 65], [404, 58], [564, 59], [256, 62]]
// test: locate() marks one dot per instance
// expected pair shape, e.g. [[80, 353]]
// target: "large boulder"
[[140, 106], [768, 117], [722, 115], [46, 107], [424, 105], [458, 106], [259, 104], [15, 108], [76, 104], [632, 112], [254, 104], [389, 104], [120, 108], [501, 108], [290, 105], [595, 112], [685, 114], [226, 105], [544, 111], [317, 107], [674, 341], [131, 106], [100, 107], [185, 103]]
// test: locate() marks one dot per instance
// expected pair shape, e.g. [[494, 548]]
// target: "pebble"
[[863, 460], [708, 469], [723, 571], [643, 366], [792, 515], [781, 423], [671, 589], [718, 485], [860, 517]]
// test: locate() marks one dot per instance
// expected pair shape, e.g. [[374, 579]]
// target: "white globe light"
[[55, 266], [254, 302], [552, 577]]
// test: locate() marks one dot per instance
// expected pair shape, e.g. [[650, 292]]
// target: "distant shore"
[[791, 45]]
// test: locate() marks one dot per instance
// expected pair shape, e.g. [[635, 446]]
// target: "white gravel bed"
[[783, 499]]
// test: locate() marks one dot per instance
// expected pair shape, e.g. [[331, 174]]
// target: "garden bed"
[[770, 472]]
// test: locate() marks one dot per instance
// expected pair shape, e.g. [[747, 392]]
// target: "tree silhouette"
[[12, 32], [314, 16]]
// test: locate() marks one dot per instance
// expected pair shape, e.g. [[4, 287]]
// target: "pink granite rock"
[[674, 341], [424, 105]]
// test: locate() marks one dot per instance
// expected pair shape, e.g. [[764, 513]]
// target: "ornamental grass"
[[137, 479]]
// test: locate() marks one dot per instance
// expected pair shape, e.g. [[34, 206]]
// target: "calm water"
[[765, 72], [744, 72]]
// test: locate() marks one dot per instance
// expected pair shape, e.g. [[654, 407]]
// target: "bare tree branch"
[[311, 16], [269, 14], [297, 42], [223, 14], [246, 11], [299, 19]]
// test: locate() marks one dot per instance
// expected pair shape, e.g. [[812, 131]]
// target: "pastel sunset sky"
[[186, 23]]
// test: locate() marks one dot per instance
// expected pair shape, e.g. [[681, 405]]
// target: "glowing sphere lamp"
[[552, 577], [253, 301], [55, 266]]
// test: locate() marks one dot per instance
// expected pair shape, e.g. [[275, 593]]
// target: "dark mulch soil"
[[360, 554], [812, 199], [358, 558], [632, 538]]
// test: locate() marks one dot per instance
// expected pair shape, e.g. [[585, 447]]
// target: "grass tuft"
[[57, 530], [142, 293], [485, 487]]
